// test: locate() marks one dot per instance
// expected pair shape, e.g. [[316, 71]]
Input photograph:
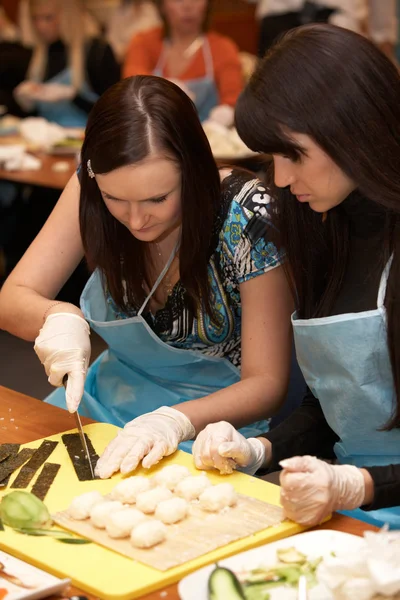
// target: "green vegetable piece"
[[224, 585], [289, 573], [23, 510], [291, 555], [256, 593]]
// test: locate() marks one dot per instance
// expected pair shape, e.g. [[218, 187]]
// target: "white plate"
[[312, 543], [43, 584]]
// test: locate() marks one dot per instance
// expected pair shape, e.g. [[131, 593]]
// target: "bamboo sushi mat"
[[199, 533]]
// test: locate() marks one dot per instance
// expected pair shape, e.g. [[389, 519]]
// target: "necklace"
[[166, 281]]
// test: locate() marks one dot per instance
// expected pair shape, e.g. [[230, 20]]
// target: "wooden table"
[[35, 421], [45, 176]]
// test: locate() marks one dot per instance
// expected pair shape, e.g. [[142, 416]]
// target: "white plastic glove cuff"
[[63, 348], [349, 486], [147, 438], [258, 456], [186, 429]]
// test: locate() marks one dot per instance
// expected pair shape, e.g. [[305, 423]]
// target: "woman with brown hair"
[[325, 103], [69, 66], [204, 63], [187, 288]]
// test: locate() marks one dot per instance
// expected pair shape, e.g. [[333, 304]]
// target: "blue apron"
[[139, 372], [65, 112], [204, 89], [345, 362]]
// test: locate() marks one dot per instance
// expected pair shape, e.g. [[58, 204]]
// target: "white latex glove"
[[222, 114], [147, 438], [63, 347], [29, 91], [312, 489], [184, 88], [24, 93], [220, 446]]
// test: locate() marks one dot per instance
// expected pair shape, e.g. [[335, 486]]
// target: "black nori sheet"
[[8, 466], [7, 450], [73, 444], [27, 472], [46, 477]]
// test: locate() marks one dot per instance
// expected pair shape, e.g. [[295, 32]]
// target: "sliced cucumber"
[[224, 585]]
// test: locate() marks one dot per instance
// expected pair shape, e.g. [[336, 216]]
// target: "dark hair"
[[338, 88], [205, 24], [118, 134]]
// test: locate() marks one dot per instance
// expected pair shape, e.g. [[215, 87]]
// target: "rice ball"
[[120, 524], [147, 501], [192, 487], [81, 506], [100, 512], [171, 475], [127, 490], [171, 511], [148, 534], [218, 497]]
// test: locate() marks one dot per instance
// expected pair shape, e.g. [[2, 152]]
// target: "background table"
[[45, 176], [33, 421]]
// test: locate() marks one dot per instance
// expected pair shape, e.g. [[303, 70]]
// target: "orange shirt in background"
[[145, 49]]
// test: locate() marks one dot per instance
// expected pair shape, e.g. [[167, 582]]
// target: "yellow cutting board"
[[102, 572]]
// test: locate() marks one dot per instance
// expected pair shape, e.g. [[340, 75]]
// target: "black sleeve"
[[102, 71], [14, 62], [305, 431], [387, 486]]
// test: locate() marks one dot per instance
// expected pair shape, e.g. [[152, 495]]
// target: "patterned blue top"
[[243, 252]]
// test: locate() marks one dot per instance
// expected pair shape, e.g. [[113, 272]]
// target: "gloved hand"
[[30, 92], [222, 114], [312, 489], [220, 446], [149, 437], [63, 347], [24, 94]]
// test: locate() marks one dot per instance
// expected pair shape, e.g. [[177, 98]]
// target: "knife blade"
[[79, 427], [84, 443]]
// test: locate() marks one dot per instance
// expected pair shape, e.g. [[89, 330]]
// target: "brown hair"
[[338, 88], [76, 28], [205, 25], [118, 134]]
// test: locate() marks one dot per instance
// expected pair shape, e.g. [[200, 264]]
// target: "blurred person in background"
[[374, 18], [128, 19], [206, 65], [187, 291], [8, 31], [13, 62], [69, 67]]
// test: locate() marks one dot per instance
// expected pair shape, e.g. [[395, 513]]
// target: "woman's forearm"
[[251, 399], [22, 310]]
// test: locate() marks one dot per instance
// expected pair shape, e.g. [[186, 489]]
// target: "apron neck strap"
[[383, 283], [159, 278], [208, 59]]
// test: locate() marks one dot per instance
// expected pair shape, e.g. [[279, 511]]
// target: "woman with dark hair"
[[186, 289], [325, 104], [206, 65]]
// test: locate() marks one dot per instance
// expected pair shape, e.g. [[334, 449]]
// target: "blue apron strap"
[[159, 68], [383, 283], [159, 279], [208, 59]]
